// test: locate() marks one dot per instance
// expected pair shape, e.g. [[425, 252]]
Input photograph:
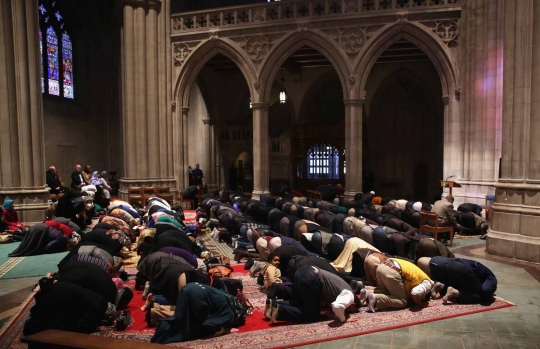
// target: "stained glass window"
[[56, 60], [67, 67], [52, 62], [323, 162]]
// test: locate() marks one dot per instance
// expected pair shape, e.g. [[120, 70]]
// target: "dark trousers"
[[306, 303], [465, 281]]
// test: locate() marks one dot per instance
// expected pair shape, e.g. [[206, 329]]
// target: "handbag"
[[220, 271], [230, 286], [6, 238]]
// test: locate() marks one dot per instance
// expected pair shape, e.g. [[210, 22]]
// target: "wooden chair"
[[165, 194], [135, 195], [429, 222], [147, 193]]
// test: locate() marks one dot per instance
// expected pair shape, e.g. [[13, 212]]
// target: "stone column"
[[185, 145], [353, 145], [207, 152], [128, 86], [146, 113], [22, 166], [261, 175], [153, 119], [516, 212], [213, 158], [480, 61]]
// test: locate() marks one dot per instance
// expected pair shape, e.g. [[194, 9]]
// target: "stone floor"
[[514, 327]]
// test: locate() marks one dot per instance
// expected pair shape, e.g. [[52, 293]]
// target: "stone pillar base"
[[256, 194], [29, 203], [513, 246], [125, 183], [349, 195], [516, 218]]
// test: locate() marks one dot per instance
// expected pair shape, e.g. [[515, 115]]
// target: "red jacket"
[[11, 220]]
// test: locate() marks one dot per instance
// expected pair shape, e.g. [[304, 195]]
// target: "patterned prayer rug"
[[258, 333]]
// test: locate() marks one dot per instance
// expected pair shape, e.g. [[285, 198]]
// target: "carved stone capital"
[[257, 84], [457, 92], [207, 121], [352, 80], [173, 106], [185, 111], [154, 4]]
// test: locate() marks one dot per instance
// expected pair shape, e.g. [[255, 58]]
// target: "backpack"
[[241, 308]]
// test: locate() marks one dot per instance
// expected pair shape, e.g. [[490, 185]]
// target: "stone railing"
[[291, 10]]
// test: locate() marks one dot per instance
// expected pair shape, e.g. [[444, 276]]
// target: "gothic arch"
[[200, 55], [421, 37], [292, 42]]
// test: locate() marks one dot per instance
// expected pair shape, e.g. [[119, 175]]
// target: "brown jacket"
[[445, 210]]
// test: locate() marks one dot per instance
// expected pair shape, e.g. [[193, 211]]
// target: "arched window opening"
[[323, 162], [56, 62]]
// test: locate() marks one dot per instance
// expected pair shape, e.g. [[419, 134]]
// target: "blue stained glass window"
[[323, 162], [52, 62], [67, 66], [56, 50]]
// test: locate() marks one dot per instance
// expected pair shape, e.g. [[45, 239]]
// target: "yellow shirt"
[[411, 274], [271, 275]]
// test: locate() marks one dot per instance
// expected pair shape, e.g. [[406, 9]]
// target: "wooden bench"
[[63, 339]]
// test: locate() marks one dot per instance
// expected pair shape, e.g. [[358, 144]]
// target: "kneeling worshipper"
[[50, 237], [397, 280], [94, 278], [344, 262], [11, 220], [67, 307], [201, 311], [429, 247], [460, 280], [312, 287]]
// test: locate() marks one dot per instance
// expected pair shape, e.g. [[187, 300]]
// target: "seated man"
[[461, 280], [53, 181], [444, 208], [311, 287], [398, 281]]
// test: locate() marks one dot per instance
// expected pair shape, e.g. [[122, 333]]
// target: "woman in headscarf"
[[42, 238], [201, 311], [11, 219]]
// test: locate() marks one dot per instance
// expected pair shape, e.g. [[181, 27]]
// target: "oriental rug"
[[258, 333]]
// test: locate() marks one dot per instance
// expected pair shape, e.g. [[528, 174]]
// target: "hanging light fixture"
[[282, 95]]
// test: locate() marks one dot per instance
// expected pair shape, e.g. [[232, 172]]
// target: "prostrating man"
[[312, 287], [461, 280], [398, 281]]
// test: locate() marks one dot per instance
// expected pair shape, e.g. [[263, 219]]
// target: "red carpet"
[[258, 333]]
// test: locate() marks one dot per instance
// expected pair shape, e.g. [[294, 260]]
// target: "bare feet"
[[450, 294], [371, 301], [150, 299], [436, 289]]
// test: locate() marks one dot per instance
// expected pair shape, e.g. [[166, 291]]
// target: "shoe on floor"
[[249, 264]]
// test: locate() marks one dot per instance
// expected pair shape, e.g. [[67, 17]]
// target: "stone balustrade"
[[294, 10]]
